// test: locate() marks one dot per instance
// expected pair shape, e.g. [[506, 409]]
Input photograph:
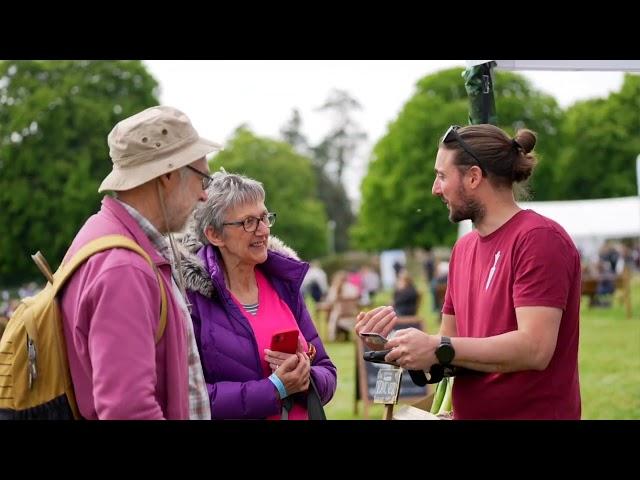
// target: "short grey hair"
[[227, 191]]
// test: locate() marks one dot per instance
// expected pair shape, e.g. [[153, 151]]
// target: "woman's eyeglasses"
[[250, 224]]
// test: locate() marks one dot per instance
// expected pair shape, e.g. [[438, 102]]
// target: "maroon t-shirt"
[[529, 261]]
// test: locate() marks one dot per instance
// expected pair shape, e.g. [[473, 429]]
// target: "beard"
[[179, 211], [178, 218], [466, 209]]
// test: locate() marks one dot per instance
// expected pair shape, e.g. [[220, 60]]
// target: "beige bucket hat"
[[151, 143]]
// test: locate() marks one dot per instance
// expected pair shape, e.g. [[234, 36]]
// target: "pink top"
[[273, 316]]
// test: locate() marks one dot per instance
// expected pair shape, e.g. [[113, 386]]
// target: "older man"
[[111, 305]]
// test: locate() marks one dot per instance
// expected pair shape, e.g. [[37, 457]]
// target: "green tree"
[[341, 143], [54, 120], [291, 133], [290, 187], [338, 206], [332, 156], [331, 192], [519, 105], [602, 141], [398, 209]]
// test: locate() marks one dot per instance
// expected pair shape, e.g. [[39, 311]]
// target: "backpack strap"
[[105, 243]]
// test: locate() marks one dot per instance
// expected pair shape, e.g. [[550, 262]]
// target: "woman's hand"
[[275, 359], [294, 373]]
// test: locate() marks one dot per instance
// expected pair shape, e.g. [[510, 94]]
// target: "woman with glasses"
[[244, 288]]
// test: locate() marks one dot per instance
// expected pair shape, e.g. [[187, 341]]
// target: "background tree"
[[332, 156], [54, 120], [290, 185], [601, 142], [341, 143], [329, 189], [338, 207], [398, 209], [291, 133]]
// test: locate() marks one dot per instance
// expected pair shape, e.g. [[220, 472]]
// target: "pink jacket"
[[111, 310]]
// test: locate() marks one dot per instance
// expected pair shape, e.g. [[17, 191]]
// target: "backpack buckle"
[[31, 355]]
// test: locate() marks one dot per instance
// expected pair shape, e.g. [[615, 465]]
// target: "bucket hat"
[[151, 143]]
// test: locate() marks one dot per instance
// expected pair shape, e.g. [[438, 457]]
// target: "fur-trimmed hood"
[[196, 276]]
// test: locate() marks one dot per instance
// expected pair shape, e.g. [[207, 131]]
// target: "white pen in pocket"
[[493, 270]]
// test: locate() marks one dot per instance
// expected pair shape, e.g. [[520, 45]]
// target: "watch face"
[[445, 353]]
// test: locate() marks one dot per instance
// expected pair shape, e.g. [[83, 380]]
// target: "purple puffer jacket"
[[228, 349]]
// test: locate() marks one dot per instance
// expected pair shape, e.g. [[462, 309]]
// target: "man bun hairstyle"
[[524, 161], [504, 160]]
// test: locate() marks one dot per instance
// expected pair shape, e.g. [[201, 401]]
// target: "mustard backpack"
[[35, 382]]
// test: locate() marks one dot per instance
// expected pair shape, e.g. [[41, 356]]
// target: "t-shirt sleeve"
[[543, 266]]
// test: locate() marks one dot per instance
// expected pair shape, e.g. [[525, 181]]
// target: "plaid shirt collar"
[[158, 240], [199, 407]]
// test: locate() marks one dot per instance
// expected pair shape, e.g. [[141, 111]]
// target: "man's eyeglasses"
[[206, 179], [452, 134], [250, 224]]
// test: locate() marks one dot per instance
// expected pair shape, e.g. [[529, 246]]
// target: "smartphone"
[[374, 338], [285, 341]]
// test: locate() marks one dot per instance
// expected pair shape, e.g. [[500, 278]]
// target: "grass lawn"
[[609, 362]]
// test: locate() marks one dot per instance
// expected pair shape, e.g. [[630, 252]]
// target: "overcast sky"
[[220, 95]]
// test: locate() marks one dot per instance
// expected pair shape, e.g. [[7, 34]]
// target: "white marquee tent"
[[588, 222]]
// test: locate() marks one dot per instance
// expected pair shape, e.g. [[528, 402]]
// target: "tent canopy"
[[588, 222], [564, 65]]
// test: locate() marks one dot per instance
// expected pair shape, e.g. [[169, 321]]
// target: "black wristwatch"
[[445, 352]]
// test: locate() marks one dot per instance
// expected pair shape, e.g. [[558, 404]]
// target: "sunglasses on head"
[[453, 135]]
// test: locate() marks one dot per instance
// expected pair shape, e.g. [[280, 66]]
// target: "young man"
[[512, 305]]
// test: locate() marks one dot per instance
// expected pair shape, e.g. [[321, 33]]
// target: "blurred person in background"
[[315, 282], [405, 295]]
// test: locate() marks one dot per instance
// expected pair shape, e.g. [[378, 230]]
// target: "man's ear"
[[474, 177], [165, 180], [213, 237]]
